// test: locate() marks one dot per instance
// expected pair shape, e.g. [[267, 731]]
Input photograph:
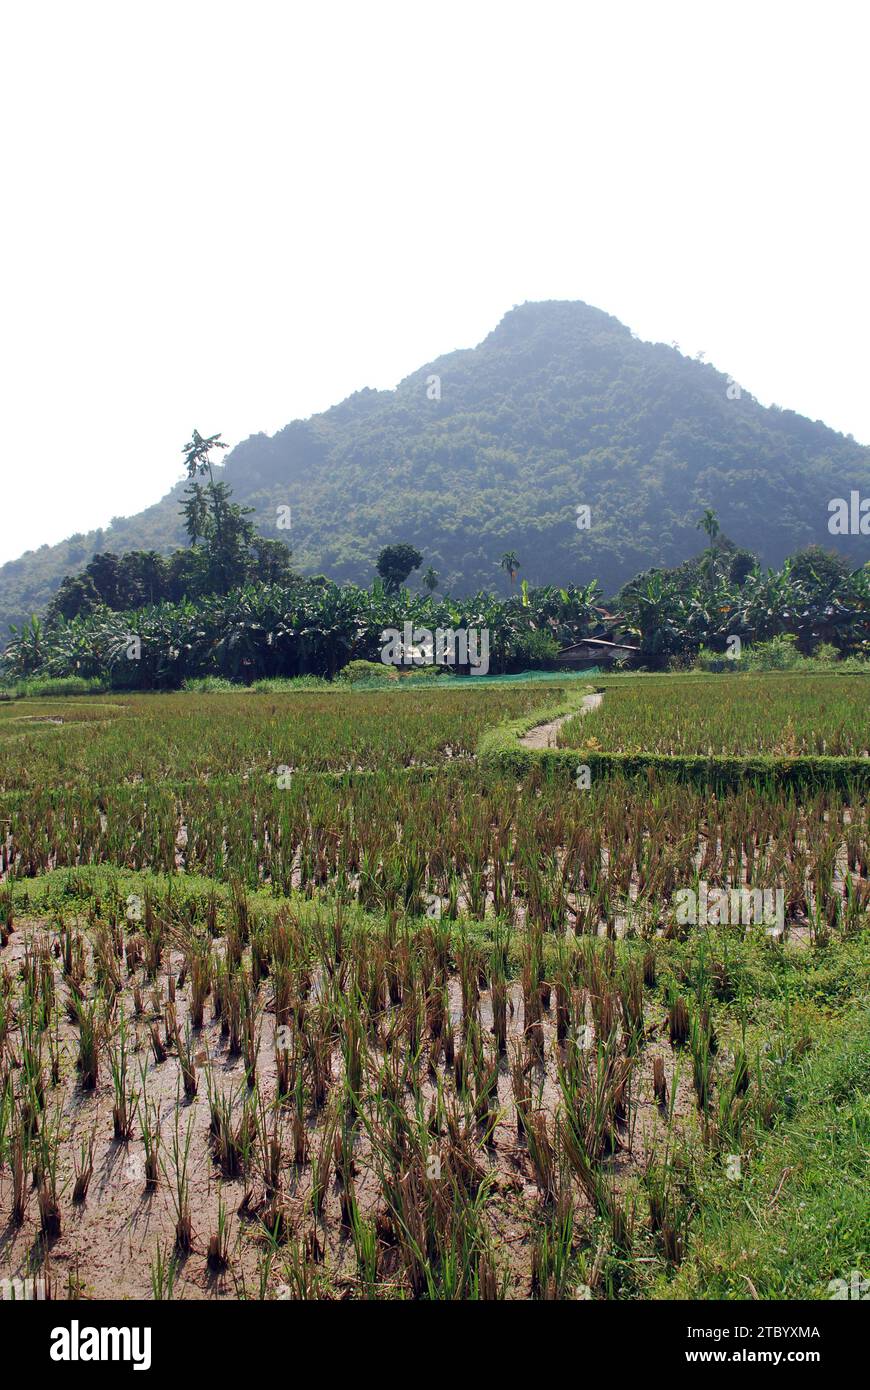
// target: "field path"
[[544, 735]]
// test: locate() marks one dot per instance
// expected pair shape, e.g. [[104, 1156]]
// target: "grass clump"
[[36, 689]]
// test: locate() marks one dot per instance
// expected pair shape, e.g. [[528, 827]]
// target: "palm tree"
[[510, 563], [710, 524], [430, 579]]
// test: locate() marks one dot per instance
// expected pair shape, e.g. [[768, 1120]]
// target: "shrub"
[[276, 685], [39, 688], [780, 654], [372, 671], [534, 648]]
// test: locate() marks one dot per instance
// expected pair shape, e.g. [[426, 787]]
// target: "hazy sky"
[[232, 215]]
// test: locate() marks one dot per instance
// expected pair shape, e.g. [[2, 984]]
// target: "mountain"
[[493, 448]]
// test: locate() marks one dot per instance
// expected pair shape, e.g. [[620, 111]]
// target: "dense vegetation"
[[559, 407], [318, 627], [226, 626]]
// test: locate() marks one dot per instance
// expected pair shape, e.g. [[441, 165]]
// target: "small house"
[[595, 651]]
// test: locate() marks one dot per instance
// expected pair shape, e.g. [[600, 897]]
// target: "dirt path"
[[544, 735]]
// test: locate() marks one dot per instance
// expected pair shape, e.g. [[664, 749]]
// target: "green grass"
[[58, 686], [799, 1216]]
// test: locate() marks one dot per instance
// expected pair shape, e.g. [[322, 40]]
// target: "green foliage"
[[225, 551], [395, 563], [817, 566], [674, 613], [284, 685], [197, 451], [372, 672], [76, 596], [535, 648], [202, 738], [416, 674], [35, 689], [718, 773], [208, 685], [808, 1175], [311, 627], [559, 406], [510, 563], [655, 756], [781, 654], [314, 627]]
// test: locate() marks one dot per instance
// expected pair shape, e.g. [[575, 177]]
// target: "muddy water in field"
[[108, 1245]]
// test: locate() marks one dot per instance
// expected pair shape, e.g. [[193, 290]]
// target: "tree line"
[[230, 604]]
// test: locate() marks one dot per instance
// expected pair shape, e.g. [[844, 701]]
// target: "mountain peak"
[[556, 316]]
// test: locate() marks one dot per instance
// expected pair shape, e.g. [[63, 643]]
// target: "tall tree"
[[76, 598], [271, 562], [395, 563], [510, 563], [709, 523], [105, 571], [197, 451], [197, 461], [210, 516]]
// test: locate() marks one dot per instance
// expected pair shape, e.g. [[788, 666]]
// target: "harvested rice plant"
[[369, 995]]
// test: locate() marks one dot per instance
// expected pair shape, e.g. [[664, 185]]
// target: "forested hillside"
[[494, 448]]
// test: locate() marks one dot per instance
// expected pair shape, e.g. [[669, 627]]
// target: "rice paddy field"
[[157, 738], [783, 715], [302, 997]]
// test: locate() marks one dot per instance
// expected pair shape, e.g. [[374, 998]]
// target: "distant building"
[[595, 651]]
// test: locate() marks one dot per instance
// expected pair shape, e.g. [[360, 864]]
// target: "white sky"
[[230, 215]]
